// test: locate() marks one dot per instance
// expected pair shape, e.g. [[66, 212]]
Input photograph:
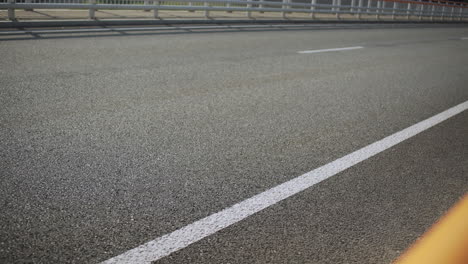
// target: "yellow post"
[[445, 243]]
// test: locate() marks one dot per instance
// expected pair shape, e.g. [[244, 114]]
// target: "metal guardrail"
[[407, 10]]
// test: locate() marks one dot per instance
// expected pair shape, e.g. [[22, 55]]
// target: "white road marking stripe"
[[464, 38], [327, 50], [183, 237]]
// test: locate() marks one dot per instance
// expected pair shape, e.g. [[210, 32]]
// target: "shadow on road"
[[103, 31]]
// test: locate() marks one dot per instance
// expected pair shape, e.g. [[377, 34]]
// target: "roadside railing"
[[358, 9]]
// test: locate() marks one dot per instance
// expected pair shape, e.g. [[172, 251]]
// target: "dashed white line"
[[183, 237], [328, 50], [464, 38]]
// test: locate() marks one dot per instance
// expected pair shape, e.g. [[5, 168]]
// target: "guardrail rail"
[[392, 9]]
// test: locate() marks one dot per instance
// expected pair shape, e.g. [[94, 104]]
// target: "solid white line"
[[183, 237], [464, 38], [327, 50]]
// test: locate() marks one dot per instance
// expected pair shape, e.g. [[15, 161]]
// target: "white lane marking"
[[327, 50], [465, 38], [183, 237]]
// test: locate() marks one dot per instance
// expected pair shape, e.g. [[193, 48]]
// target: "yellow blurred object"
[[445, 243]]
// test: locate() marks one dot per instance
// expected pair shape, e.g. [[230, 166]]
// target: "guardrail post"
[[369, 5], [461, 11], [207, 13], [439, 10], [28, 9], [359, 9], [417, 9], [261, 5], [284, 7], [432, 12], [11, 11], [191, 4], [249, 13], [421, 10], [379, 3], [395, 7], [155, 10], [408, 12], [382, 7], [228, 5], [338, 9], [451, 13], [443, 13], [92, 10], [353, 3], [312, 14]]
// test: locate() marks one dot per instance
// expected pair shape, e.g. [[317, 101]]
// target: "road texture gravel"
[[109, 142]]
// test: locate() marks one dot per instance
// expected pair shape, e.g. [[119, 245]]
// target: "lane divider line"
[[464, 38], [185, 236], [328, 50]]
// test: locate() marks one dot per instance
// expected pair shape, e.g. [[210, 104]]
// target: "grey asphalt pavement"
[[368, 214], [109, 142]]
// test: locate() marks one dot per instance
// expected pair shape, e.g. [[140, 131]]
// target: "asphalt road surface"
[[109, 142]]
